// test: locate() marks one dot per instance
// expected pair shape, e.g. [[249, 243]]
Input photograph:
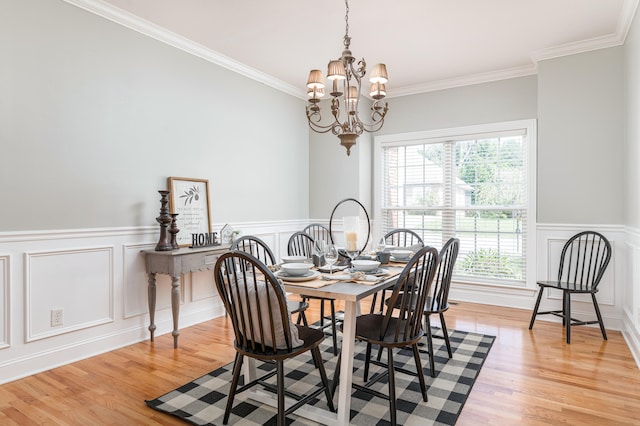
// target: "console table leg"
[[152, 303], [175, 308]]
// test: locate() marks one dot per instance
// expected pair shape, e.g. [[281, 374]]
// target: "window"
[[474, 183]]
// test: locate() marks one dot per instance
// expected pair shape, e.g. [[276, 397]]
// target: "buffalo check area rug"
[[202, 401]]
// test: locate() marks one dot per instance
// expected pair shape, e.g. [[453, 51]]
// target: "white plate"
[[311, 275], [378, 272], [393, 259]]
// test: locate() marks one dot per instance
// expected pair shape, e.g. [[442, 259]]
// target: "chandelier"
[[346, 79]]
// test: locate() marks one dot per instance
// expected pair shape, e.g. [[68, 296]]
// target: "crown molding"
[[468, 80], [567, 49], [625, 20], [128, 20]]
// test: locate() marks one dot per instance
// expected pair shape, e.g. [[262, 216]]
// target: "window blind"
[[473, 187]]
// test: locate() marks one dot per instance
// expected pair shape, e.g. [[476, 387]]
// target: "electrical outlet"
[[56, 317]]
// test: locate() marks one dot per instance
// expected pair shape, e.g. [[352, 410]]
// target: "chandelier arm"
[[323, 129], [314, 118]]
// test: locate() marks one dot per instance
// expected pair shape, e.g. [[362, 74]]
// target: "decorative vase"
[[173, 230], [164, 220]]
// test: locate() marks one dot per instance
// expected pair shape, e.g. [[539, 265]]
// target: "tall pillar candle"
[[351, 239]]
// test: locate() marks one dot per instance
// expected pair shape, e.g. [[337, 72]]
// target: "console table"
[[176, 263]]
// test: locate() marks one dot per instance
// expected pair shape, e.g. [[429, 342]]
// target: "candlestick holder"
[[173, 230], [164, 220]]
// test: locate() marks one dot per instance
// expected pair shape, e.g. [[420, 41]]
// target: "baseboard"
[[632, 337], [58, 356]]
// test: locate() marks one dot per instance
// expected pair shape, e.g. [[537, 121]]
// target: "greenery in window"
[[474, 189]]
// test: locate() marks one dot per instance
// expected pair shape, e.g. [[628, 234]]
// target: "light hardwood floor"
[[529, 377]]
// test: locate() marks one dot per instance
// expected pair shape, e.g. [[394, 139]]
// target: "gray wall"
[[631, 181], [94, 117], [334, 176], [632, 149], [579, 103], [581, 138], [506, 100]]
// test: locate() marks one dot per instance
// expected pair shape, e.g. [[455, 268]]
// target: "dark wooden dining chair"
[[403, 237], [301, 244], [390, 331], [256, 305], [318, 232], [583, 261], [399, 237], [438, 301], [260, 250]]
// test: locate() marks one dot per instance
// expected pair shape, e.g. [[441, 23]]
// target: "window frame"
[[461, 133]]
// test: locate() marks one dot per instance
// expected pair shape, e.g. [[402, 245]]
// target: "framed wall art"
[[190, 199]]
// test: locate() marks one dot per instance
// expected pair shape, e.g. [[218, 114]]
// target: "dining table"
[[351, 292]]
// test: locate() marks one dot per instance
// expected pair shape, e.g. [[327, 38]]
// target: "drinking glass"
[[331, 256], [319, 249], [382, 244]]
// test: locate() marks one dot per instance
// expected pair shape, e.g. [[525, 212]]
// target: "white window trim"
[[530, 126]]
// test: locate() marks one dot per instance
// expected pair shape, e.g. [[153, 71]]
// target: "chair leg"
[[333, 327], [367, 357], [392, 387], [317, 358], [423, 385], [379, 357], [280, 381], [237, 367], [432, 361], [535, 309], [373, 303], [597, 308], [567, 314], [446, 334], [382, 300], [301, 316], [304, 318]]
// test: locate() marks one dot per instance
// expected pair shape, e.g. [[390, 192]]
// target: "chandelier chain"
[[347, 39]]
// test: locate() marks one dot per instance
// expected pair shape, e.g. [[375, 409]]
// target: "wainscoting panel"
[[203, 286], [78, 283], [550, 240], [631, 304], [98, 278], [5, 307], [606, 294]]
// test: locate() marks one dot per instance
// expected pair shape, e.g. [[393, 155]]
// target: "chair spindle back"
[[409, 296], [584, 259], [255, 302]]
